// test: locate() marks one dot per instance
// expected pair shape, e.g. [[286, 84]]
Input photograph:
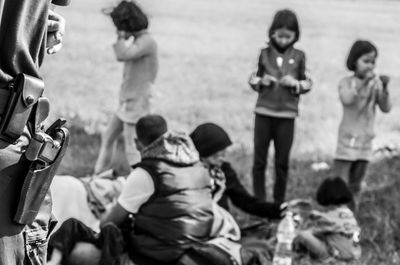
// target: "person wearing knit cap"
[[211, 142]]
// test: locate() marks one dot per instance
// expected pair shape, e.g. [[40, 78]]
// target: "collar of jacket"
[[175, 147], [279, 50]]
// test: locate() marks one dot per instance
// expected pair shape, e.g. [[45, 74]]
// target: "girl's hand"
[[124, 40], [124, 35], [254, 79], [385, 81], [268, 80], [314, 214], [288, 81], [121, 35], [254, 82], [219, 188], [369, 75]]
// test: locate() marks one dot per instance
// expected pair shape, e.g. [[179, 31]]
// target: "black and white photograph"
[[199, 132]]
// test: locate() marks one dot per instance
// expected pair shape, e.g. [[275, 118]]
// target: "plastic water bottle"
[[285, 235]]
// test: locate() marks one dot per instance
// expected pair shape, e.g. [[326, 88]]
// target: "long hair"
[[334, 192], [359, 48], [128, 16], [287, 19]]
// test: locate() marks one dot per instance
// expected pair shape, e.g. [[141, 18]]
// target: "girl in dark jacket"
[[280, 79]]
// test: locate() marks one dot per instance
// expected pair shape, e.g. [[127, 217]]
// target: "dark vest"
[[275, 97], [178, 214]]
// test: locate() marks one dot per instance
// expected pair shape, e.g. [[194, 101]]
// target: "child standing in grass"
[[137, 49], [333, 233], [280, 80], [359, 94]]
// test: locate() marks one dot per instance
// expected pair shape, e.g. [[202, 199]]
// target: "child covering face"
[[280, 79], [136, 48]]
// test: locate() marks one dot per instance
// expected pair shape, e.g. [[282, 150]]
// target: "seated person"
[[334, 232], [85, 199], [168, 193], [212, 141]]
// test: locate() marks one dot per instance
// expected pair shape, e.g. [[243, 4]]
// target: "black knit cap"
[[209, 139], [359, 48]]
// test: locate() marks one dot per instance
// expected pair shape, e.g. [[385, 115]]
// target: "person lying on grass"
[[333, 233]]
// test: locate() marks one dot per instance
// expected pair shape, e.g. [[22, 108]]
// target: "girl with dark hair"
[[137, 49], [359, 94], [334, 232], [279, 80]]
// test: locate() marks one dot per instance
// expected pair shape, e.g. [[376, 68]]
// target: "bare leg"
[[108, 141], [132, 154]]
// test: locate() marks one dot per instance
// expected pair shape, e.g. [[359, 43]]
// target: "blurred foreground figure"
[[29, 153]]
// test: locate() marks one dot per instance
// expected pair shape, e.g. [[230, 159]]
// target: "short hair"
[[150, 127], [359, 48], [128, 16], [333, 191], [287, 19]]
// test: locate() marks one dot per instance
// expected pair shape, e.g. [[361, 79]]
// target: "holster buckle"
[[24, 93], [45, 146], [42, 148]]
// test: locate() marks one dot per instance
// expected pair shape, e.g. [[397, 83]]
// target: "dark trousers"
[[351, 171], [281, 131], [72, 231]]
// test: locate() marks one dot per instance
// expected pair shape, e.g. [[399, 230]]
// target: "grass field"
[[207, 50]]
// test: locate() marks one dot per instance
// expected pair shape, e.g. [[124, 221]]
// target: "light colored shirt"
[[70, 201], [140, 65], [356, 130], [337, 220], [138, 189]]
